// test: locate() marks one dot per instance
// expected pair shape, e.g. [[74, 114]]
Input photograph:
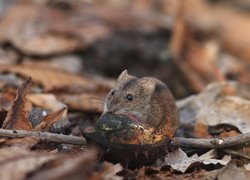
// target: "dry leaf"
[[26, 142], [247, 166], [58, 117], [7, 96], [41, 30], [16, 163], [198, 16], [232, 172], [51, 79], [226, 110], [78, 167], [109, 171], [179, 160], [39, 41], [46, 101], [69, 63], [51, 119], [208, 105], [83, 102], [17, 116]]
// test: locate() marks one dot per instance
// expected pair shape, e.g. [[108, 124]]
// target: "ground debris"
[[59, 59]]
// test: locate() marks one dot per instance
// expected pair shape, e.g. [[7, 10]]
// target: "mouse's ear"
[[148, 85], [123, 75]]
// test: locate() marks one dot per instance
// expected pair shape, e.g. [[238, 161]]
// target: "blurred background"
[[185, 43]]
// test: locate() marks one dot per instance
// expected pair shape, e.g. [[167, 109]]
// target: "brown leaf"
[[108, 171], [7, 96], [201, 130], [78, 167], [55, 32], [50, 119], [216, 101], [199, 17], [26, 142], [58, 116], [46, 42], [52, 79], [46, 101], [17, 116], [83, 102], [16, 163], [229, 110]]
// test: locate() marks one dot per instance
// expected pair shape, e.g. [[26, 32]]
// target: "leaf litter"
[[69, 104], [179, 161]]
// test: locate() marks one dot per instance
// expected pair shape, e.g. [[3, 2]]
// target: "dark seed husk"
[[111, 131]]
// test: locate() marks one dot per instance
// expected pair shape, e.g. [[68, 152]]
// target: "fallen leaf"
[[46, 101], [7, 96], [16, 163], [37, 29], [226, 110], [17, 116], [69, 63], [232, 172], [50, 119], [108, 171], [26, 142], [78, 167], [179, 160], [230, 36], [217, 103], [52, 79], [247, 166], [82, 102], [57, 118], [44, 41]]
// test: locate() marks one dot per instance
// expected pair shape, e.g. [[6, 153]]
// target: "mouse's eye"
[[130, 97], [112, 92]]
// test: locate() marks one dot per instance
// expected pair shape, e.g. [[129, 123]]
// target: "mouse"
[[147, 99]]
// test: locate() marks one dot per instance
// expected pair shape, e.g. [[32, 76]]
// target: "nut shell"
[[122, 140]]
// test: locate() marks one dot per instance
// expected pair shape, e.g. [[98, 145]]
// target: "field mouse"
[[147, 99]]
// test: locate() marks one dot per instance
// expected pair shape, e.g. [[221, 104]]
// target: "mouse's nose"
[[112, 109]]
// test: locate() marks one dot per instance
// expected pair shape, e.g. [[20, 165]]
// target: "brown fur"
[[153, 102]]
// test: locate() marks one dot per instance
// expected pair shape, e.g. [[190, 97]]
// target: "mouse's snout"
[[112, 108]]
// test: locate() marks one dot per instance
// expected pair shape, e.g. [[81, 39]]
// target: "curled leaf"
[[179, 160], [50, 119], [17, 116]]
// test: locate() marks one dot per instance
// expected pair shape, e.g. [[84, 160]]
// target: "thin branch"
[[188, 142], [212, 143], [237, 153], [44, 136]]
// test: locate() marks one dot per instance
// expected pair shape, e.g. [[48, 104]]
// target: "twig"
[[214, 142], [44, 136], [237, 153], [188, 142]]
